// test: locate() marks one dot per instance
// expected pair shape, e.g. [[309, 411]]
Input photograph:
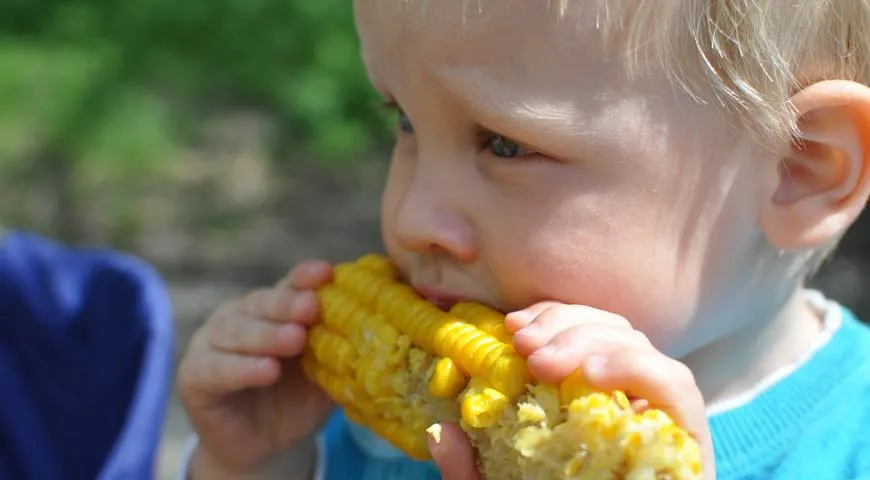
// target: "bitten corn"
[[398, 364]]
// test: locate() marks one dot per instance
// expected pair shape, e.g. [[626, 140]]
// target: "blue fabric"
[[813, 425], [345, 459], [85, 362]]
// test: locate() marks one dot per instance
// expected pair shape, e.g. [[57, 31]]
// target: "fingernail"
[[313, 268], [263, 364], [594, 365], [520, 318]]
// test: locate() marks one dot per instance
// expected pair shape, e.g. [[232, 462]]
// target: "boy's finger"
[[308, 275], [256, 336], [221, 373], [567, 351], [452, 452], [514, 321], [665, 383], [557, 319], [283, 305], [272, 303]]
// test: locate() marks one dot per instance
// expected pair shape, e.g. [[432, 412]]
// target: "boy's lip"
[[443, 299]]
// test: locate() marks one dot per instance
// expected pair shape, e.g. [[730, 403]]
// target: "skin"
[[243, 388], [629, 231]]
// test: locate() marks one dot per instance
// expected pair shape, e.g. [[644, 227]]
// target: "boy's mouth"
[[440, 298]]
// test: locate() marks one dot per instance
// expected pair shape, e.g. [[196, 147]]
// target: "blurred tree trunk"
[[59, 168]]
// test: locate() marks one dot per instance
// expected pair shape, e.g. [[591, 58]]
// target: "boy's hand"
[[557, 339], [240, 381], [453, 454]]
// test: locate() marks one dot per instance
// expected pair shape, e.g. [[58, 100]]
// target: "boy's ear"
[[824, 178]]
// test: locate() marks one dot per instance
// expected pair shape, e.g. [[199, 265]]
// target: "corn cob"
[[398, 364]]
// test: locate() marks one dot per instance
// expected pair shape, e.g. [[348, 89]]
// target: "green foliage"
[[132, 139], [98, 95], [295, 60], [41, 87]]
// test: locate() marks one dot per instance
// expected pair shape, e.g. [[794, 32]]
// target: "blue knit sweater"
[[812, 425]]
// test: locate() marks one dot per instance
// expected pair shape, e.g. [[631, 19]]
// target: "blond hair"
[[751, 55]]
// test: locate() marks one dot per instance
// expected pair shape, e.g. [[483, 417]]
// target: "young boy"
[[645, 186]]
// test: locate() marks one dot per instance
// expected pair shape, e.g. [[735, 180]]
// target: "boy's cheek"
[[657, 294]]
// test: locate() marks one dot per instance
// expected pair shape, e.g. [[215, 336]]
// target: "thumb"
[[517, 320], [452, 452]]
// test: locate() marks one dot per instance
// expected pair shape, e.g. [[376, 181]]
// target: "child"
[[644, 185]]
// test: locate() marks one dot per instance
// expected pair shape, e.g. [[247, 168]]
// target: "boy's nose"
[[428, 223]]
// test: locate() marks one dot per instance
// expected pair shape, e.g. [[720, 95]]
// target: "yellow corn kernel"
[[343, 390], [575, 464], [478, 353], [377, 264], [340, 312], [375, 377], [574, 386], [487, 319], [447, 379], [393, 407], [333, 349], [398, 364], [482, 405], [344, 314], [395, 433]]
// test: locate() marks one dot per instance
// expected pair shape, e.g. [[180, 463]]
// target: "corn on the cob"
[[398, 364]]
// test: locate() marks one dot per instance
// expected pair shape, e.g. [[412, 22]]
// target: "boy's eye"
[[404, 123], [499, 145], [506, 148]]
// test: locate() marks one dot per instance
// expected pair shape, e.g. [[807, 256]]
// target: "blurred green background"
[[118, 118], [221, 140]]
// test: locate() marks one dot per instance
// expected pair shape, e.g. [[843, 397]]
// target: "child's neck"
[[735, 364]]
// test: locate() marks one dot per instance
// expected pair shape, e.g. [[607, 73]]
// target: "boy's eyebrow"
[[478, 94], [599, 122]]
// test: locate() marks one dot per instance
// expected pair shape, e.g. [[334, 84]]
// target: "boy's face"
[[527, 167]]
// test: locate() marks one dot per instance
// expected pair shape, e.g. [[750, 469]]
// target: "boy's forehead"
[[456, 20], [484, 34]]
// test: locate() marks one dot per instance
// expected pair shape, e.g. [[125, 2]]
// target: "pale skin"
[[629, 231]]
